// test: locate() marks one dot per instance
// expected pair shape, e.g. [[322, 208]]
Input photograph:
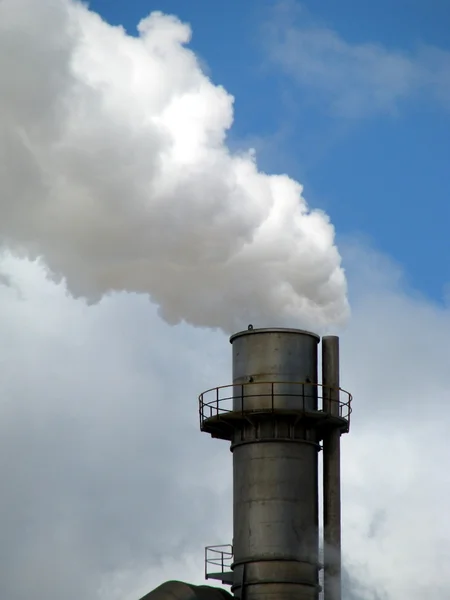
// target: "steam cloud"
[[114, 170]]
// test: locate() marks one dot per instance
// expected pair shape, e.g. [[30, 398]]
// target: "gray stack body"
[[275, 454]]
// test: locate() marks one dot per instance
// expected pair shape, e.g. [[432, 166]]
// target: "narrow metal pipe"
[[331, 472]]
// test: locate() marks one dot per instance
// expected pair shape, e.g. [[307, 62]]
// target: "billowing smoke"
[[114, 170]]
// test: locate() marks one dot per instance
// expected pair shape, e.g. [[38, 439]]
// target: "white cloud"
[[114, 168], [353, 80], [103, 466], [109, 488], [395, 487]]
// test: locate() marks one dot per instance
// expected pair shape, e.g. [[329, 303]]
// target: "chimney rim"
[[274, 330]]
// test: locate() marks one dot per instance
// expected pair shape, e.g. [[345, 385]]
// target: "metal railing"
[[219, 557], [242, 399]]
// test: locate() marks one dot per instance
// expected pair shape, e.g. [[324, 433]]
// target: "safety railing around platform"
[[273, 396], [218, 559]]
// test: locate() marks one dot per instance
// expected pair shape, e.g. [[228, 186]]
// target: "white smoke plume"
[[114, 170]]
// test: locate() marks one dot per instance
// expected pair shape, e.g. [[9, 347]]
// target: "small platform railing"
[[240, 399], [218, 560]]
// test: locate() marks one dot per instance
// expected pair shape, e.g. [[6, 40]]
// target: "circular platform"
[[224, 409]]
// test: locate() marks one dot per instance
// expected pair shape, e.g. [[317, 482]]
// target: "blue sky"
[[380, 172]]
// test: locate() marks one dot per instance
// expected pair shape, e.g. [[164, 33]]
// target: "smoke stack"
[[276, 415]]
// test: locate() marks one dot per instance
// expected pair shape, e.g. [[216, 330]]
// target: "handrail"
[[221, 558], [213, 404]]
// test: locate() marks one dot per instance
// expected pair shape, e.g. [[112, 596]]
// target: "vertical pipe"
[[331, 472]]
